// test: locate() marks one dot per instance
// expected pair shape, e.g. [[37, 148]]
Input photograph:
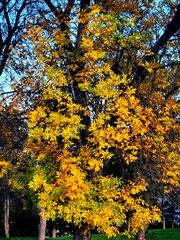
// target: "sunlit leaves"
[[98, 142], [3, 168]]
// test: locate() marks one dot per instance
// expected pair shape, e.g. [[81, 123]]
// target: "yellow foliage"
[[144, 216], [92, 129], [4, 166]]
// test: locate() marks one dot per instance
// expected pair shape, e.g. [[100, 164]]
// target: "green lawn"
[[164, 234], [159, 234]]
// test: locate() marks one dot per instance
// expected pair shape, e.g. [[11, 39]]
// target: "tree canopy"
[[100, 97]]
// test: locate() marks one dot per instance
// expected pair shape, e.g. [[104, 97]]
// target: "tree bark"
[[42, 224], [172, 218], [129, 224], [142, 233], [6, 213], [87, 236], [164, 222], [79, 235], [53, 232]]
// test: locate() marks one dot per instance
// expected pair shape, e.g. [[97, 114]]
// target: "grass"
[[158, 234], [164, 234]]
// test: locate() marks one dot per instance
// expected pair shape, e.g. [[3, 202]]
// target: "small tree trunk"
[[173, 213], [42, 224], [87, 236], [129, 224], [53, 233], [6, 213], [142, 233], [79, 235], [164, 222], [172, 224]]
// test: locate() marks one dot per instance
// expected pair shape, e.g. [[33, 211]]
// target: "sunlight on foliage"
[[100, 142]]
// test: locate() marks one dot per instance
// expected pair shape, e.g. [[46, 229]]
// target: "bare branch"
[[19, 14], [4, 5], [171, 29], [57, 12], [172, 91], [69, 6]]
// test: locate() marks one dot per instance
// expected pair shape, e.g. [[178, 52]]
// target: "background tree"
[[170, 209], [14, 18], [11, 142]]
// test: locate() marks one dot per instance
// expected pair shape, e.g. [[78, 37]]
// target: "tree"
[[15, 17], [105, 130], [170, 209], [11, 141]]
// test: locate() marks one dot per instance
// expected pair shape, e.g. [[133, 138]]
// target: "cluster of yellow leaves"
[[96, 206], [131, 125], [39, 181], [4, 166], [144, 216], [71, 179], [141, 213], [171, 170], [89, 159], [55, 123]]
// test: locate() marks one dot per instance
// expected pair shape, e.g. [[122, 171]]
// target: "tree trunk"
[[164, 222], [53, 232], [79, 235], [142, 233], [129, 224], [87, 236], [173, 213], [6, 213], [42, 224], [172, 224]]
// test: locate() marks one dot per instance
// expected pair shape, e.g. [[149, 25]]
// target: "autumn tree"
[[12, 132], [14, 20], [104, 129]]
